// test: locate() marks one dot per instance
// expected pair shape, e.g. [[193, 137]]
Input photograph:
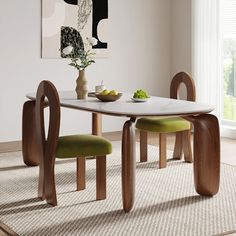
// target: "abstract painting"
[[69, 22]]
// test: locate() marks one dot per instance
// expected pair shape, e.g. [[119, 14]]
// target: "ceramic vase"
[[81, 86]]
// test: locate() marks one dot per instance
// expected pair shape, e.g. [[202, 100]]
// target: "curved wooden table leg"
[[128, 165], [206, 154], [29, 144]]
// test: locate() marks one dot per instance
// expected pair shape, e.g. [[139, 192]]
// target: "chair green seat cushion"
[[163, 125], [82, 146]]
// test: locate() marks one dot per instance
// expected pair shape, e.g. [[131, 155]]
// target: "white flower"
[[92, 41], [81, 56], [67, 50]]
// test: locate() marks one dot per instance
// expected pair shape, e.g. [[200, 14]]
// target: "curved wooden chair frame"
[[183, 138], [186, 79], [47, 148]]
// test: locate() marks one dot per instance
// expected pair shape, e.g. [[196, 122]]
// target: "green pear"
[[113, 92], [105, 92]]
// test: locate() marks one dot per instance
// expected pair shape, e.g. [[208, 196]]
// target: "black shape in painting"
[[72, 2], [71, 37], [100, 11]]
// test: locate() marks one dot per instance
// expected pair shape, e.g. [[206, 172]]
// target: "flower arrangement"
[[82, 57]]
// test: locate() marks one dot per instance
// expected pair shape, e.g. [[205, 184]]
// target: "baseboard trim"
[[13, 146]]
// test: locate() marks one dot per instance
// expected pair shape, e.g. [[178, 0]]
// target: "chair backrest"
[[183, 77], [47, 145]]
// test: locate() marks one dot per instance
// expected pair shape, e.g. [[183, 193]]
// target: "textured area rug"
[[166, 202]]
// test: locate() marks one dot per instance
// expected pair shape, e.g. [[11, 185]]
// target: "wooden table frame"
[[206, 151]]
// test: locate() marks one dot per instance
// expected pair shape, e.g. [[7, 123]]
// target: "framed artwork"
[[69, 22]]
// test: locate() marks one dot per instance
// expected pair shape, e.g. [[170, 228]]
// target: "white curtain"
[[206, 52]]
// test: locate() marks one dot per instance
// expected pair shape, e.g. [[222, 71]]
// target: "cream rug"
[[166, 202]]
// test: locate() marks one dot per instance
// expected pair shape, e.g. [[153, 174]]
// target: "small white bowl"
[[140, 99]]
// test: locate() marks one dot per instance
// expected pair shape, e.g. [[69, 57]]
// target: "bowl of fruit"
[[140, 96], [108, 96]]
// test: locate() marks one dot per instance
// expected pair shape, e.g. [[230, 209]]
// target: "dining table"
[[206, 136]]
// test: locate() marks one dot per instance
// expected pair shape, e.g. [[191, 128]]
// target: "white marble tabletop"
[[155, 106]]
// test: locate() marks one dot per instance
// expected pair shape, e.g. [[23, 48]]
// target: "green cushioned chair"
[[165, 125], [71, 146]]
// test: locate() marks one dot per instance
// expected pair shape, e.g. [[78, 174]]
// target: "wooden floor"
[[6, 231], [228, 147]]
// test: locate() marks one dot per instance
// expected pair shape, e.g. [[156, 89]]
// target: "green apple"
[[105, 92], [113, 92]]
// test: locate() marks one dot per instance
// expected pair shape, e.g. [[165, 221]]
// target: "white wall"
[[180, 36], [140, 58]]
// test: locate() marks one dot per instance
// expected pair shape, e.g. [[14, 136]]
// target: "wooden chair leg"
[[49, 180], [178, 149], [143, 146], [187, 146], [162, 150], [80, 173], [101, 177], [41, 182]]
